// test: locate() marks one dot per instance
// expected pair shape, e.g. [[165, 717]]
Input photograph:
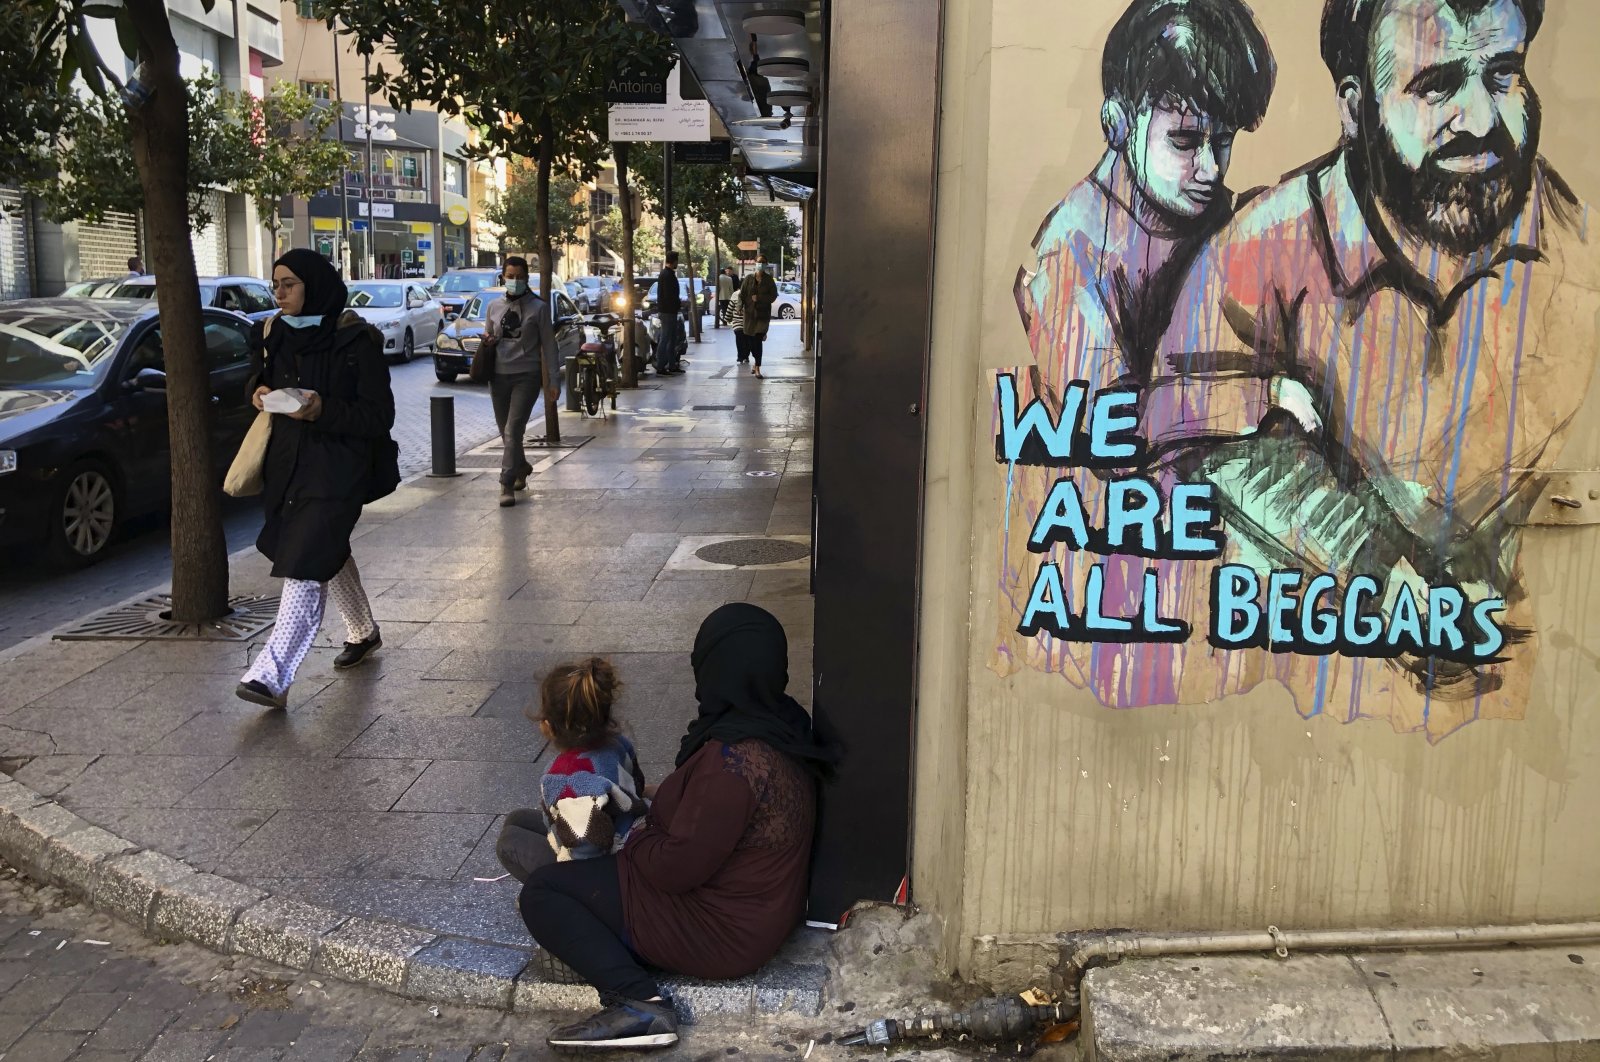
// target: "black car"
[[457, 287], [83, 417]]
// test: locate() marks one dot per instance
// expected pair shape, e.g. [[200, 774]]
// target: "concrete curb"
[[168, 899]]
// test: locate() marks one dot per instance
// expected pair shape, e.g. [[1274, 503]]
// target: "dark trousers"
[[748, 347], [668, 344], [524, 843], [574, 911]]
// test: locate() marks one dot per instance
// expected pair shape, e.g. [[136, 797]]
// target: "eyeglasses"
[[285, 285]]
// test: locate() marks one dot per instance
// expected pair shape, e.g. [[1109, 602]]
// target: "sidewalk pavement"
[[378, 795]]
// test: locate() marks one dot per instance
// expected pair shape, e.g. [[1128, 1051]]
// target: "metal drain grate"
[[753, 552], [715, 409], [143, 620]]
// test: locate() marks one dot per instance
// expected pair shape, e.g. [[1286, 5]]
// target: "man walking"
[[725, 289], [669, 304], [526, 363]]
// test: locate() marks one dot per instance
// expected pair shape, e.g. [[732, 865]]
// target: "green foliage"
[[284, 151], [32, 106], [647, 239], [517, 210], [94, 157], [770, 226], [706, 193]]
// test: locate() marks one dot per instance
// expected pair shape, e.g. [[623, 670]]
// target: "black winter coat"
[[318, 473]]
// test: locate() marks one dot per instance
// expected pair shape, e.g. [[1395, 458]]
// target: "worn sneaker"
[[508, 496], [257, 693], [630, 1025], [355, 652]]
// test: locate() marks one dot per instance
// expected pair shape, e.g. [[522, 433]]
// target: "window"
[[227, 344], [601, 202], [311, 9], [454, 177], [258, 299], [317, 90]]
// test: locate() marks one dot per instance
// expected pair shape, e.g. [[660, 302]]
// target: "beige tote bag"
[[244, 476]]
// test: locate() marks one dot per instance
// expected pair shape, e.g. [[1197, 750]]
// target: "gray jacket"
[[526, 336]]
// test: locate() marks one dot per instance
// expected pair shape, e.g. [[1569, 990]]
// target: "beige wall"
[[1037, 809]]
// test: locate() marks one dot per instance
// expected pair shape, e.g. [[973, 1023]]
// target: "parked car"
[[591, 294], [402, 310], [83, 417], [250, 296], [703, 292], [99, 288], [787, 308], [457, 287], [458, 344]]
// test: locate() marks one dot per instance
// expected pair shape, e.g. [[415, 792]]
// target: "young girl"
[[593, 791]]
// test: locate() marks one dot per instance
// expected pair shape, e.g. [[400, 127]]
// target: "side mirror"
[[452, 316], [567, 320], [149, 380]]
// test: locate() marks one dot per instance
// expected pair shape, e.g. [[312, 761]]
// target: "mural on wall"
[[1294, 435]]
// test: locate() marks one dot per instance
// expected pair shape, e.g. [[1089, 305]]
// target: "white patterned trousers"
[[300, 617]]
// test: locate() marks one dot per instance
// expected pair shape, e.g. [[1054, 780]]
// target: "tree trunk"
[[688, 258], [716, 257], [160, 130], [552, 373], [630, 376]]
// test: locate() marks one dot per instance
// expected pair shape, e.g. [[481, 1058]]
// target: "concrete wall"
[[1291, 789]]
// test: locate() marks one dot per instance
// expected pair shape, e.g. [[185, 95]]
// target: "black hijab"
[[741, 672], [325, 298]]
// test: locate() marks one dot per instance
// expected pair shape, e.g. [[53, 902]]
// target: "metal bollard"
[[442, 418]]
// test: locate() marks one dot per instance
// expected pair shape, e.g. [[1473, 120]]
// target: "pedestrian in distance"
[[593, 791], [725, 289], [669, 307], [526, 363], [712, 880], [756, 296], [136, 266], [323, 463]]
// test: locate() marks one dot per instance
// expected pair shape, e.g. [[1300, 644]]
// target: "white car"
[[408, 317], [787, 308]]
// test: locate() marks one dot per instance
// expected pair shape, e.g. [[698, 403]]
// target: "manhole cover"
[[143, 619], [714, 409], [752, 552], [761, 473]]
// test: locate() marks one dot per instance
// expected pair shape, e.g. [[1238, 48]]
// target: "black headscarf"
[[325, 298], [741, 672]]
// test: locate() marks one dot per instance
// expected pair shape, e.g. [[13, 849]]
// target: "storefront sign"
[[379, 210], [325, 224], [457, 214], [631, 86], [676, 120], [424, 245], [710, 151]]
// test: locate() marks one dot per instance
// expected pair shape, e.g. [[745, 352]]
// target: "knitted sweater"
[[591, 797]]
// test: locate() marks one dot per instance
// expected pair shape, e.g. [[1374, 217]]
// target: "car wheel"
[[445, 377], [408, 347], [83, 514], [785, 313]]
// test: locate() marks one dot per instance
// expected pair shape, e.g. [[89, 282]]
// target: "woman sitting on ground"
[[712, 881]]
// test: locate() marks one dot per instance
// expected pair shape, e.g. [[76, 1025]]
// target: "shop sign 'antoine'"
[[1295, 434]]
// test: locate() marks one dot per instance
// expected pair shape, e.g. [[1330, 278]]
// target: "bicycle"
[[595, 367]]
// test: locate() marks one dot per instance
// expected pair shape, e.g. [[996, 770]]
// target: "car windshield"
[[376, 296], [465, 283], [478, 309], [146, 289], [52, 351]]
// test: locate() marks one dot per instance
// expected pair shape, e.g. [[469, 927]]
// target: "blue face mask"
[[301, 321], [516, 288]]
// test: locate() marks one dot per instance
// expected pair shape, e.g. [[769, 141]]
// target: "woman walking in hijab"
[[713, 879], [323, 463]]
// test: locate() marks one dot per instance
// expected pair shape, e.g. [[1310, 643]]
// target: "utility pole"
[[344, 178], [371, 241], [666, 193]]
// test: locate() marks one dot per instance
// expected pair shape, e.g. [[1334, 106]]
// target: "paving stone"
[[485, 911], [127, 886], [463, 971], [49, 731], [370, 952], [311, 731], [41, 1046], [36, 995], [357, 845], [201, 908], [133, 1026], [262, 1029], [141, 781], [10, 973], [13, 1026], [48, 775], [70, 860], [308, 784], [448, 739], [25, 833], [532, 994], [510, 700], [283, 931], [455, 785], [418, 696], [83, 1011], [326, 1044], [182, 1046], [200, 837], [97, 689], [15, 797]]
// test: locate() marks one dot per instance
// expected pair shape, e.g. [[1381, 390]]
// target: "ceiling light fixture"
[[781, 22], [782, 66], [788, 98]]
